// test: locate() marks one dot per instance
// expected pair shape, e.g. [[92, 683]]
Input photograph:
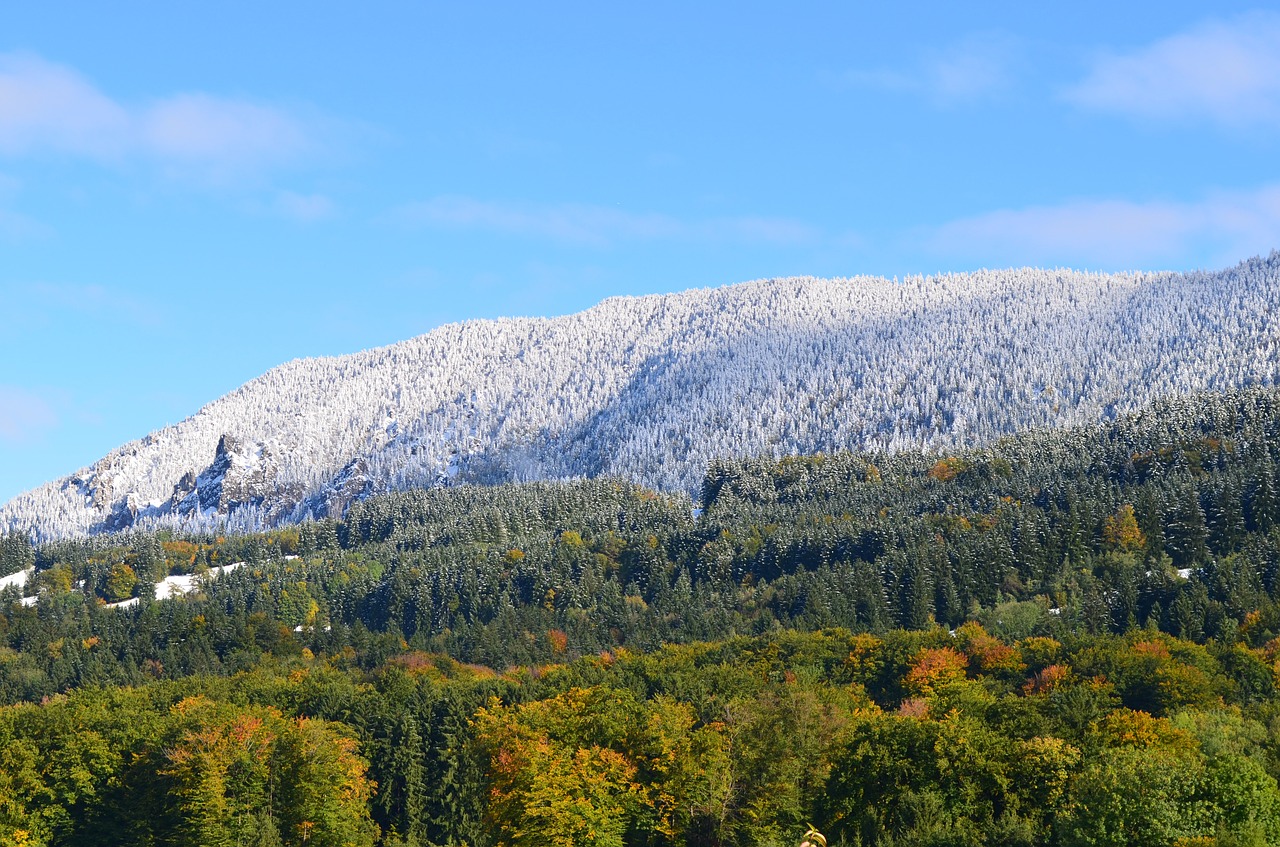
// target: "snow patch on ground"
[[176, 586], [19, 579]]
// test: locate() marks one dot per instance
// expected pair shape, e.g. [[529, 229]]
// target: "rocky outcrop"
[[351, 485], [242, 473], [123, 514], [182, 489]]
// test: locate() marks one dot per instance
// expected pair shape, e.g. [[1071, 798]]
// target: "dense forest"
[[1068, 638], [652, 389], [903, 738]]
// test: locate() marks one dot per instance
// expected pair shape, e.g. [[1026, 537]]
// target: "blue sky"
[[193, 193]]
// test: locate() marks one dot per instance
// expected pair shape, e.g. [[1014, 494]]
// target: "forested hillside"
[[652, 389], [1169, 519], [906, 738], [1070, 637]]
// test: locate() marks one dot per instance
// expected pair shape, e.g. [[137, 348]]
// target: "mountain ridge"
[[654, 387]]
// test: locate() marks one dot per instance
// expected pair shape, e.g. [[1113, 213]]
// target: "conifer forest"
[[640, 425], [1070, 637]]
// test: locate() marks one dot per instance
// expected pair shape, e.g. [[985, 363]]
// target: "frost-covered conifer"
[[653, 388]]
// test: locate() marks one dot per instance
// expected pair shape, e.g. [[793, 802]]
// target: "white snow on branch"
[[653, 388]]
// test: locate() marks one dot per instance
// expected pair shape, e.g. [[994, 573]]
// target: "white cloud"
[[24, 416], [975, 68], [197, 126], [1227, 72], [1220, 228], [596, 225], [304, 207], [46, 107]]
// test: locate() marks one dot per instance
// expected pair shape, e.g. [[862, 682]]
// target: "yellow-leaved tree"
[[1121, 531]]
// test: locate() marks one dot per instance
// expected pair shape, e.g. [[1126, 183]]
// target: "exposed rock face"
[[122, 515], [249, 483], [351, 485], [242, 473], [100, 490], [184, 486]]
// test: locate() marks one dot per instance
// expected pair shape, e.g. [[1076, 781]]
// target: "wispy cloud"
[[199, 127], [1223, 226], [24, 415], [306, 208], [598, 226], [50, 108], [1226, 72], [978, 67]]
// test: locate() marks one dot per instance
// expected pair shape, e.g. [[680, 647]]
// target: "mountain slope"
[[652, 388]]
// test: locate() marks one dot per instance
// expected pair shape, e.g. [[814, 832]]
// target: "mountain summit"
[[653, 388]]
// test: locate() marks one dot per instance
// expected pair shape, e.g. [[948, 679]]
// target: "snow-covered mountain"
[[652, 388]]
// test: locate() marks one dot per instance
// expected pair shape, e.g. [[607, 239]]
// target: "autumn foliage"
[[934, 668], [1121, 532]]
